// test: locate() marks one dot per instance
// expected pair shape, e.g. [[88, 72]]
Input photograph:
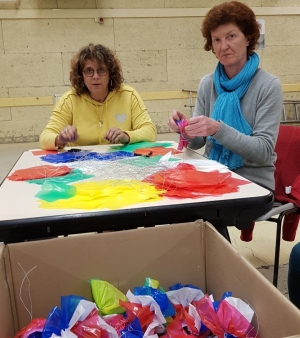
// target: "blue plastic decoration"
[[67, 157], [161, 299]]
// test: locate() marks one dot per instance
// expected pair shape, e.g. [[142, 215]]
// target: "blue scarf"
[[227, 108]]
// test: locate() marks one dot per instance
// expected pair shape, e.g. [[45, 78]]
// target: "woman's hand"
[[176, 116], [116, 135], [68, 134], [201, 126]]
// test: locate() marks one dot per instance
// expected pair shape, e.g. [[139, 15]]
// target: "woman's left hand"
[[201, 126], [116, 135]]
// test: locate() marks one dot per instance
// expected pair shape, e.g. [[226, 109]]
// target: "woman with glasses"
[[99, 109], [238, 107]]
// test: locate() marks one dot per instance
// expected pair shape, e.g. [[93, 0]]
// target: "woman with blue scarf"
[[238, 107]]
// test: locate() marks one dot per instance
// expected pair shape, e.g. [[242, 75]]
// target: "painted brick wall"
[[157, 54]]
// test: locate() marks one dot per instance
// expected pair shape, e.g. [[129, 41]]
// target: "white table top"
[[18, 202], [21, 218]]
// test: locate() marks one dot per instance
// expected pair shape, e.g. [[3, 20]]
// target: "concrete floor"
[[259, 252]]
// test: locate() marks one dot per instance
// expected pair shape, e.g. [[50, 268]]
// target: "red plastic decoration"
[[186, 181], [144, 314], [118, 321], [36, 325], [89, 328], [183, 142], [37, 172]]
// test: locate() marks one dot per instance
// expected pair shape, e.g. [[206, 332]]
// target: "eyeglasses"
[[100, 71]]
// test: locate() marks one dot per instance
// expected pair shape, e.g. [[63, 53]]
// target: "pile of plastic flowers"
[[148, 311]]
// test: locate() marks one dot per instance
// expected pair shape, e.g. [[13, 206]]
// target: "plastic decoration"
[[155, 151], [229, 319], [132, 330], [183, 141], [51, 192], [187, 320], [140, 316], [43, 152], [161, 298], [43, 171], [132, 147], [107, 331], [178, 286], [184, 296], [84, 156], [73, 176], [143, 313], [107, 194], [55, 323], [148, 301], [175, 329], [107, 297], [151, 282], [76, 318], [144, 161], [89, 327], [117, 321], [33, 329], [185, 181]]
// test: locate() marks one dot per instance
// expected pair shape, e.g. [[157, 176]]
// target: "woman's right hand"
[[68, 134], [176, 116]]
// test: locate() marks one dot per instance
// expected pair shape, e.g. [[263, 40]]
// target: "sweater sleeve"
[[60, 118], [143, 129]]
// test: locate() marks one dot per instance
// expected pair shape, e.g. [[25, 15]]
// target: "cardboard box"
[[6, 317], [188, 253]]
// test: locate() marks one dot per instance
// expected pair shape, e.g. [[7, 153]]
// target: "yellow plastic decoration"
[[151, 282], [107, 297], [107, 194]]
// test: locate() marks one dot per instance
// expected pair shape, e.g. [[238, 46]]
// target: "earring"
[[111, 83]]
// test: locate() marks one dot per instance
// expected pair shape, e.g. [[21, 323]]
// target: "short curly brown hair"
[[231, 12], [104, 56]]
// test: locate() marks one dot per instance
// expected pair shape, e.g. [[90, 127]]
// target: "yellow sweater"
[[122, 108]]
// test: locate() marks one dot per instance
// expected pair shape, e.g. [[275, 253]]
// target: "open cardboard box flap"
[[191, 253], [6, 317]]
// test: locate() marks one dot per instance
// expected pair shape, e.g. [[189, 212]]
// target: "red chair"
[[286, 210]]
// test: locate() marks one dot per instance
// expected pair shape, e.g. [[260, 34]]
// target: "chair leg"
[[223, 230], [277, 249]]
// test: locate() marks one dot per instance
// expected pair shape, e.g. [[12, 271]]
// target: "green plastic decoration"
[[107, 297]]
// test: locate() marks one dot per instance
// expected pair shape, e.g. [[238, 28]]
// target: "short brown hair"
[[231, 12], [104, 56]]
